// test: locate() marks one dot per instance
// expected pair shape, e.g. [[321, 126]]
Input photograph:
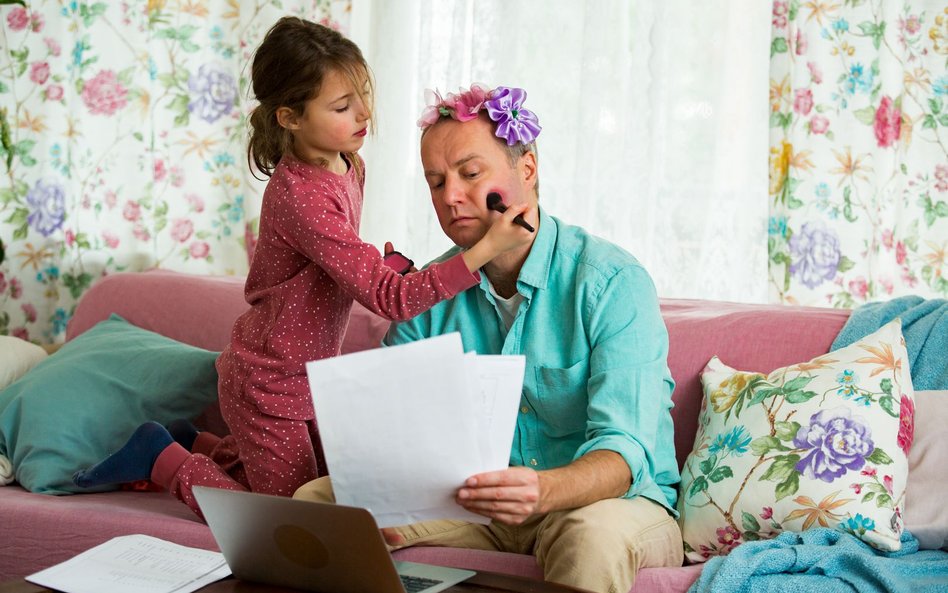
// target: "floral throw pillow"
[[822, 443]]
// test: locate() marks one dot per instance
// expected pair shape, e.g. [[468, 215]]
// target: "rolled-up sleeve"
[[630, 386]]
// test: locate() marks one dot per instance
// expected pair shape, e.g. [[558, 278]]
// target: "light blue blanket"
[[925, 327], [824, 560]]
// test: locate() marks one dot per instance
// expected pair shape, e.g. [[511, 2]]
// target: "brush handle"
[[496, 203]]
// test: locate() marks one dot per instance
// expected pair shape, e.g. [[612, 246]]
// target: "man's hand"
[[510, 496]]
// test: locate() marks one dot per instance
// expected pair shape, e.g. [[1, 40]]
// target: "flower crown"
[[503, 105]]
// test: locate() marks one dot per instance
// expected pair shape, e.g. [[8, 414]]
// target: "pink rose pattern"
[[102, 112], [858, 147]]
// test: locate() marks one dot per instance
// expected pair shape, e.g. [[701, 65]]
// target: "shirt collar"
[[535, 272]]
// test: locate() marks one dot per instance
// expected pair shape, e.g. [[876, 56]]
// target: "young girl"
[[314, 90]]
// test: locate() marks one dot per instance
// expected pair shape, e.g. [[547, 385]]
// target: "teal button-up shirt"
[[596, 347]]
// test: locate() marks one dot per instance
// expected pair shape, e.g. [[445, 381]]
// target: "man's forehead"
[[453, 144]]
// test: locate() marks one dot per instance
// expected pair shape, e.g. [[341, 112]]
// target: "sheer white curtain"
[[654, 114]]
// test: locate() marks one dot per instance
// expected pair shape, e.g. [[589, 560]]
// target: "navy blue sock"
[[183, 432], [130, 463]]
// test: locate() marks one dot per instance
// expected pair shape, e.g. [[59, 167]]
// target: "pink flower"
[[900, 253], [177, 176], [766, 513], [801, 43], [911, 24], [869, 471], [159, 170], [816, 75], [111, 239], [132, 211], [18, 18], [16, 288], [432, 113], [887, 482], [110, 199], [39, 72], [888, 123], [803, 101], [906, 424], [36, 21], [22, 333], [199, 249], [941, 174], [859, 288], [888, 238], [29, 311], [728, 537], [196, 201], [70, 238], [181, 230], [819, 124], [780, 14], [103, 94], [140, 232], [467, 104], [54, 92], [52, 45], [3, 283], [887, 285], [857, 488]]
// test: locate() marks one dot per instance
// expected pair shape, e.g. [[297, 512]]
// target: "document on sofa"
[[403, 427], [135, 564]]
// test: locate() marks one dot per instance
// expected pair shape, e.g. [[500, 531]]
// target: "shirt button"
[[533, 462], [525, 409]]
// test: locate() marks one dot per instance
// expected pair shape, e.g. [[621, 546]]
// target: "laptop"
[[327, 548]]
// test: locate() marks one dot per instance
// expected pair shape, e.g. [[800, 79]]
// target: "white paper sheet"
[[135, 564], [500, 381], [403, 427]]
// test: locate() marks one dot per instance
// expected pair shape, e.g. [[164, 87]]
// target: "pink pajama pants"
[[263, 453]]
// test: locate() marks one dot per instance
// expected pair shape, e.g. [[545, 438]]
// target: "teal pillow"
[[82, 403]]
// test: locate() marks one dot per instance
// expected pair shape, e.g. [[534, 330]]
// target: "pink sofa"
[[40, 530]]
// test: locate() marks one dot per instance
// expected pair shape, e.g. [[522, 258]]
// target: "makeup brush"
[[495, 202]]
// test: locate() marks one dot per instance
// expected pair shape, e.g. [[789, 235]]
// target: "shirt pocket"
[[562, 395]]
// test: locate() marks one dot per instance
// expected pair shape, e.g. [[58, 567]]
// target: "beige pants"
[[599, 547]]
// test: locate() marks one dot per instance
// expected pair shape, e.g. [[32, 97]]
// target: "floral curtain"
[[123, 144], [859, 151]]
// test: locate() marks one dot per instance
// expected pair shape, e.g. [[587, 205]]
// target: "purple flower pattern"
[[213, 91], [47, 202], [838, 441]]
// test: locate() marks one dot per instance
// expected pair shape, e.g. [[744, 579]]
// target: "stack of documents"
[[403, 427], [135, 564]]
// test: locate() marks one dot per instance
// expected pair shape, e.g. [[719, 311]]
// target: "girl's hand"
[[505, 234], [389, 248]]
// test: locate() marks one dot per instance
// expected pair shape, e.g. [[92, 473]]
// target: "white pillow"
[[926, 514], [16, 357]]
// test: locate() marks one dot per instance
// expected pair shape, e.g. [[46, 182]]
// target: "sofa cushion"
[[819, 443], [926, 514], [83, 402]]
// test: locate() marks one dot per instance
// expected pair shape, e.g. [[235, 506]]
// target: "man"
[[591, 485]]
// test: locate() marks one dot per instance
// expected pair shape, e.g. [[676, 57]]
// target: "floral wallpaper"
[[122, 144], [859, 151]]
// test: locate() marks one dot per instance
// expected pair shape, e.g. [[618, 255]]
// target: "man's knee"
[[318, 490]]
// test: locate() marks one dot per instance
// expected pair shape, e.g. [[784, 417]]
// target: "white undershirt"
[[506, 307]]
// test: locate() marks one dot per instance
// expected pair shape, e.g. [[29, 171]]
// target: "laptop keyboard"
[[416, 584]]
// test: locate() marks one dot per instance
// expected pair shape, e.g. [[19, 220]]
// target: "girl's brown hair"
[[287, 71]]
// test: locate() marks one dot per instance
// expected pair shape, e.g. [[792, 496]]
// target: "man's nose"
[[453, 193]]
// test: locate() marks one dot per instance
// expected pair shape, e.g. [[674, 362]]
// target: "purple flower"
[[814, 254], [47, 201], [214, 92], [838, 442], [514, 124]]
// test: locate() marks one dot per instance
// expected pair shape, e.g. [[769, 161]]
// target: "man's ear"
[[528, 168], [287, 118]]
